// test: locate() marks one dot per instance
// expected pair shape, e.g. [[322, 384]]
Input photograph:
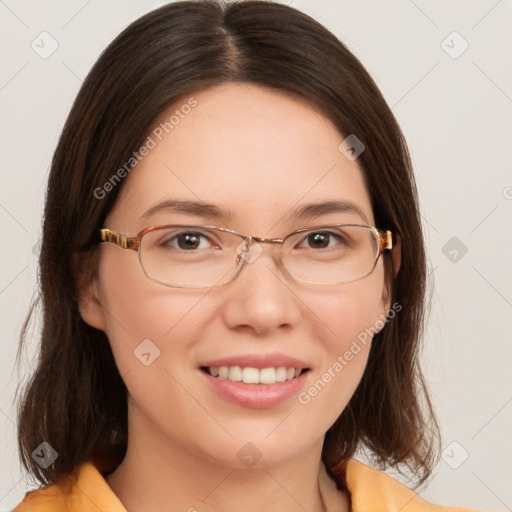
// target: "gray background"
[[454, 107]]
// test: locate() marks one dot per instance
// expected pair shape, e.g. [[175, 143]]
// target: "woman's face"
[[259, 155]]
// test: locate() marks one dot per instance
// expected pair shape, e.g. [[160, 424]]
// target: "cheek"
[[153, 331], [145, 317], [346, 321], [344, 312]]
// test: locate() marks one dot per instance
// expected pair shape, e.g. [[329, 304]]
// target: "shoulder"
[[372, 490], [53, 497], [86, 490]]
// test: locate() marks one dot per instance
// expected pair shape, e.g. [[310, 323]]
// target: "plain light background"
[[454, 105]]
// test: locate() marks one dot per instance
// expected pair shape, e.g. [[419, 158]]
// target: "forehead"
[[256, 153]]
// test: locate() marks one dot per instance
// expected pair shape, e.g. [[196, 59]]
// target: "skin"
[[259, 154]]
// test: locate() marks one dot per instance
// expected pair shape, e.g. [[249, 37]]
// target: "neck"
[[158, 474]]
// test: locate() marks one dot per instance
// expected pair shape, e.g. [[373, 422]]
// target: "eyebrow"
[[313, 210], [191, 207], [211, 211]]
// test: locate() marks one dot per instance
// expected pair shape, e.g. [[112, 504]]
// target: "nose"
[[262, 298]]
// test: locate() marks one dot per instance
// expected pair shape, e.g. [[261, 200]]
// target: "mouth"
[[252, 375]]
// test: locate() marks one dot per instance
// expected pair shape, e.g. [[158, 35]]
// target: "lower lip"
[[256, 396]]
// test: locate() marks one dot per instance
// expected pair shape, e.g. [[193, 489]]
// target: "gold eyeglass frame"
[[123, 241]]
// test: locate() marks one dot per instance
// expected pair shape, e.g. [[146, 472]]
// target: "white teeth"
[[281, 374], [267, 375], [250, 375], [235, 374]]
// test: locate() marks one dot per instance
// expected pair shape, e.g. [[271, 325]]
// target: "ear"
[[396, 255], [87, 287]]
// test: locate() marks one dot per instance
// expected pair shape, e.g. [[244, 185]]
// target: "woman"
[[269, 326]]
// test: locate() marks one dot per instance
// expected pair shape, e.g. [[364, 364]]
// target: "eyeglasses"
[[192, 256]]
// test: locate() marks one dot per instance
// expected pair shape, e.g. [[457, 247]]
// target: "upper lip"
[[272, 360]]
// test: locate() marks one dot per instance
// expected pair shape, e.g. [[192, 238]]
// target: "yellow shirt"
[[370, 491]]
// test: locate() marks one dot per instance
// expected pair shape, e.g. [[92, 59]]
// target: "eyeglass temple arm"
[[385, 241], [123, 241]]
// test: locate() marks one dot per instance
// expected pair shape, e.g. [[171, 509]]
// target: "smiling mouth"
[[251, 375]]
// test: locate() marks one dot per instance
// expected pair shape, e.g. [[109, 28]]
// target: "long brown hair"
[[76, 399]]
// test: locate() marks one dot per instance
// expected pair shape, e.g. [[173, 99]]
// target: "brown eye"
[[318, 240], [322, 239], [187, 241]]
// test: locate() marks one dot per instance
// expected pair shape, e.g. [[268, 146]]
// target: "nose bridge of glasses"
[[250, 248], [265, 240]]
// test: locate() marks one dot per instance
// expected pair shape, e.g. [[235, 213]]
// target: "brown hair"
[[76, 400]]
